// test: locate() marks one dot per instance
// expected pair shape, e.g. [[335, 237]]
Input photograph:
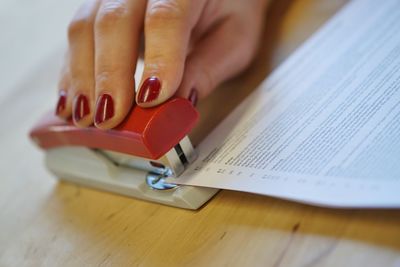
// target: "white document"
[[324, 128]]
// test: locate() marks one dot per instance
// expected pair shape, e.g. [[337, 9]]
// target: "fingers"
[[81, 64], [168, 25], [117, 32], [104, 40], [98, 84], [224, 52]]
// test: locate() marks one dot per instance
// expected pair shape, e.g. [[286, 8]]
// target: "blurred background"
[[31, 33]]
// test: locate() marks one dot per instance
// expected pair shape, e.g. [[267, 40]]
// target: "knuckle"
[[107, 75], [78, 26], [154, 58], [161, 10], [110, 13], [103, 77]]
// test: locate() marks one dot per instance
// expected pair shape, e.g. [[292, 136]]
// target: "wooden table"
[[47, 223]]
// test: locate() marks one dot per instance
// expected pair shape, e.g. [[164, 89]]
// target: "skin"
[[187, 45]]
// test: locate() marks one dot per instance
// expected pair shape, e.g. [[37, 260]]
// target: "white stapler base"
[[87, 167]]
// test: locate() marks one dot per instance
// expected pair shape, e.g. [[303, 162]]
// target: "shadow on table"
[[120, 230]]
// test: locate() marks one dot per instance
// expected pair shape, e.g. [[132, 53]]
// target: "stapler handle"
[[146, 132]]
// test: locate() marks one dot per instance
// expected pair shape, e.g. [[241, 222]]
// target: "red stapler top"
[[146, 132]]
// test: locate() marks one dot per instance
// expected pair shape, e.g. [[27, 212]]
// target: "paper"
[[324, 128]]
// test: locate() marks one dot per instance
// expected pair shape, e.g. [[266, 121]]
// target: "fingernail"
[[104, 109], [193, 97], [81, 107], [150, 90], [62, 101]]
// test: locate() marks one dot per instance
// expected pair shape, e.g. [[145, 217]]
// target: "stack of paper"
[[324, 128]]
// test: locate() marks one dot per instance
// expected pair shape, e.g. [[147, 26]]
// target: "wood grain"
[[46, 223]]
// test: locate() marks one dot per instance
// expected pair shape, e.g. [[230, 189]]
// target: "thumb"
[[225, 52]]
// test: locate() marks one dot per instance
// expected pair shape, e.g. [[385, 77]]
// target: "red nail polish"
[[62, 101], [81, 107], [149, 90], [104, 109], [193, 96]]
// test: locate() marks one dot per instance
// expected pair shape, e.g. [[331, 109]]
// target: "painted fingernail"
[[150, 90], [62, 101], [193, 96], [81, 107], [104, 109]]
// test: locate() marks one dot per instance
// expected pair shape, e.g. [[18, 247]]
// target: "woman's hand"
[[190, 47]]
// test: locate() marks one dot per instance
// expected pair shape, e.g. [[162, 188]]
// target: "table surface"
[[44, 222]]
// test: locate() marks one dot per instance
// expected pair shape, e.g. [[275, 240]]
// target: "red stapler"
[[133, 159]]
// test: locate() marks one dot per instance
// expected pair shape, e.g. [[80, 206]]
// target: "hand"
[[190, 47]]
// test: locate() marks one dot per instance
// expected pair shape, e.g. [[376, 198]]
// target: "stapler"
[[133, 159]]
